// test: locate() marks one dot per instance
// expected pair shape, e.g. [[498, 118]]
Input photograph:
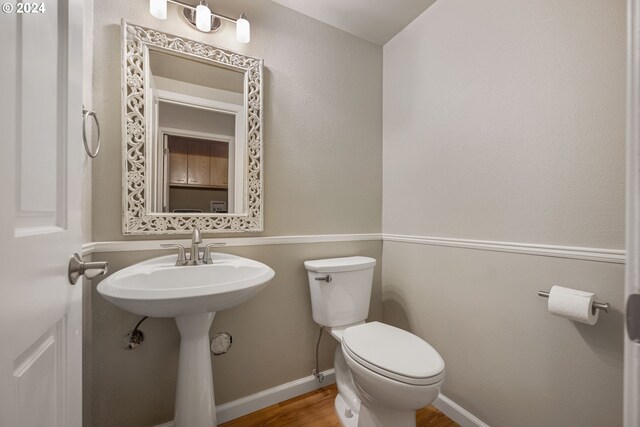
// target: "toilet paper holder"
[[604, 306]]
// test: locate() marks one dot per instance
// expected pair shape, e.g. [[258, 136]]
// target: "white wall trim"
[[149, 245], [457, 413], [616, 256], [255, 402]]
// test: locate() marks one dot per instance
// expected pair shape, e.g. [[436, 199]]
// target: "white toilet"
[[384, 374]]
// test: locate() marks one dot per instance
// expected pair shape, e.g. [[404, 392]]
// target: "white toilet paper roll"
[[573, 304]]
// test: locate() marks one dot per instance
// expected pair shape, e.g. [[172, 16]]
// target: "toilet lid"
[[339, 265], [394, 353]]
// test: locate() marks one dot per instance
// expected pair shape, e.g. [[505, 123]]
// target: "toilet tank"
[[345, 298]]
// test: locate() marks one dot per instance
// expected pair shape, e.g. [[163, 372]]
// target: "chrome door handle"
[[633, 317], [77, 268]]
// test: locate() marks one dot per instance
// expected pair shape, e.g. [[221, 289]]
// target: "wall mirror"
[[192, 136]]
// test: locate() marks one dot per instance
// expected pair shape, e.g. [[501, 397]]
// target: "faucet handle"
[[181, 257], [206, 258]]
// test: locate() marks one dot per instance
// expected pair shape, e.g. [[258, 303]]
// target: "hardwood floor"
[[316, 409]]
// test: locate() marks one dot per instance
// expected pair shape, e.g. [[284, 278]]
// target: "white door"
[[632, 288], [40, 169]]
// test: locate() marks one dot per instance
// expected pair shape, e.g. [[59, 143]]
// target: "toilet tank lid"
[[334, 265]]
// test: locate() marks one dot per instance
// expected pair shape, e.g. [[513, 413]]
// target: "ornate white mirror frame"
[[137, 216]]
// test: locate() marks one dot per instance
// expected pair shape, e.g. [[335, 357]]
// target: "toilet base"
[[347, 417], [366, 418], [385, 417]]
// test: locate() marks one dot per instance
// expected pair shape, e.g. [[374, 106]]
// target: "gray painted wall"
[[322, 117], [504, 121], [323, 175], [508, 361]]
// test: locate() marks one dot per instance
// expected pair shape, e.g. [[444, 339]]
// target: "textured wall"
[[504, 121], [180, 117], [322, 121], [323, 174], [508, 361]]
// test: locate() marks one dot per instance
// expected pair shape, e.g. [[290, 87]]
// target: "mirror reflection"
[[192, 136], [197, 131]]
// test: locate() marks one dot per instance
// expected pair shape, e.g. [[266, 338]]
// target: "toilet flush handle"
[[326, 278]]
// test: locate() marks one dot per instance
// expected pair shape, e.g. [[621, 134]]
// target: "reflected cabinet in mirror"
[[192, 136]]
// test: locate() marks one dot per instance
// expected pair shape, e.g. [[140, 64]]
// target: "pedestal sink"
[[192, 295]]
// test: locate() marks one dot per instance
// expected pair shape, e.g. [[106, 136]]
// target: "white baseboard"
[[255, 402], [457, 413], [246, 405]]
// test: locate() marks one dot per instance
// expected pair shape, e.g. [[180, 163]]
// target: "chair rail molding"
[[150, 245], [615, 256]]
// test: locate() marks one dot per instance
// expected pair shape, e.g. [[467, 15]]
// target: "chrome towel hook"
[[86, 113]]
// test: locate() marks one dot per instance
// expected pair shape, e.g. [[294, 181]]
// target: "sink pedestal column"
[[195, 406]]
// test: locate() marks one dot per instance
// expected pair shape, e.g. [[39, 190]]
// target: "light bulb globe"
[[158, 8], [203, 18], [243, 29]]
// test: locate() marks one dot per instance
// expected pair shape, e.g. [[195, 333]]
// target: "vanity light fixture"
[[202, 18], [243, 29], [158, 8]]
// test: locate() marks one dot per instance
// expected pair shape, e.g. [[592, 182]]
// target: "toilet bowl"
[[384, 374], [395, 373]]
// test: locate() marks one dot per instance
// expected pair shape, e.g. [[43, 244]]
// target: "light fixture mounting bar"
[[191, 7]]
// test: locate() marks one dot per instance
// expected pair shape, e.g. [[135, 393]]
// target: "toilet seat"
[[393, 353]]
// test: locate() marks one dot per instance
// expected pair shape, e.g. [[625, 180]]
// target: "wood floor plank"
[[315, 409]]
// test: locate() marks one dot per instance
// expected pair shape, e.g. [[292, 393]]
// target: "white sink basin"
[[191, 294], [158, 288]]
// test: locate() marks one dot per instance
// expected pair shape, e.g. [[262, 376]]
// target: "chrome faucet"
[[195, 245], [194, 257]]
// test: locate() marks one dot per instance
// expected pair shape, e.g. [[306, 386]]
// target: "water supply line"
[[134, 338], [316, 372]]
